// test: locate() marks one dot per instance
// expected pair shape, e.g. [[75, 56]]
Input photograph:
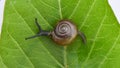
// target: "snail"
[[64, 33]]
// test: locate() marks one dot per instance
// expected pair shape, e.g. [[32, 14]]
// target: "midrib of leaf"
[[3, 62], [65, 47], [39, 39], [60, 9], [105, 57], [65, 57]]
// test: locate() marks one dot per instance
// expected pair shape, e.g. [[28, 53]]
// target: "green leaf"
[[92, 17]]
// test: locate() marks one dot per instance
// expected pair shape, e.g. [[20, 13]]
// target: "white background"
[[1, 12], [115, 4]]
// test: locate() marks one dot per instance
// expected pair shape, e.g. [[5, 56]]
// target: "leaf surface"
[[92, 17]]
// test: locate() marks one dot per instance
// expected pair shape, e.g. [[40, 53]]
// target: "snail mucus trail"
[[63, 34]]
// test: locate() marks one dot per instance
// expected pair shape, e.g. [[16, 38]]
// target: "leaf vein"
[[3, 62], [21, 49], [40, 41], [77, 5], [41, 15], [115, 42], [87, 14], [102, 21], [48, 5]]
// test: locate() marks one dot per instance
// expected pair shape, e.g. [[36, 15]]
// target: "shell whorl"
[[64, 32]]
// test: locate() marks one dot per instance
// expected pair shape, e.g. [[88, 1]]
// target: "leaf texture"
[[92, 17]]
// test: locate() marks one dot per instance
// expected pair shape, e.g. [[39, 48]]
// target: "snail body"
[[63, 34]]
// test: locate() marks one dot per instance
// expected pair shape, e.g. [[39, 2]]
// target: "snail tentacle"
[[40, 33], [32, 37], [36, 21], [82, 36]]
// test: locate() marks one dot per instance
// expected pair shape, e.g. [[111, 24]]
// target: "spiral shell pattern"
[[64, 32]]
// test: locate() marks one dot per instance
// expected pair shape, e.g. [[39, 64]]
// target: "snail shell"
[[64, 33]]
